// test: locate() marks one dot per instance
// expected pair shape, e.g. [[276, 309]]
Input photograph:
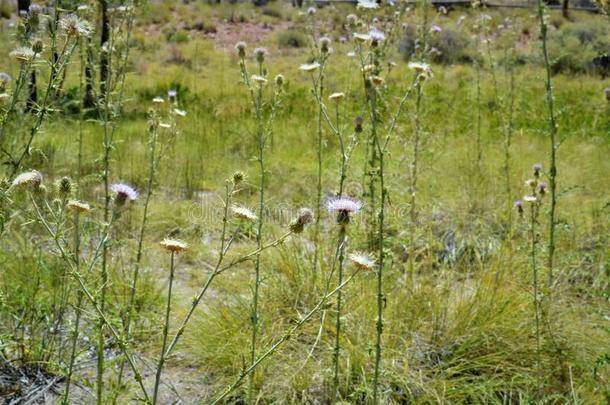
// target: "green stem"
[[165, 330], [341, 247]]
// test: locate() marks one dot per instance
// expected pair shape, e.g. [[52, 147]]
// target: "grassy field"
[[471, 313]]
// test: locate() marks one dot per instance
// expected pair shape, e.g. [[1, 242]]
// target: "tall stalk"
[[533, 220], [552, 137]]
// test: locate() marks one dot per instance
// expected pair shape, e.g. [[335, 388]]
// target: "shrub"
[[291, 39], [451, 46]]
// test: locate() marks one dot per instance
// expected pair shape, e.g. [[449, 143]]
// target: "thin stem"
[[165, 329], [341, 247], [534, 213]]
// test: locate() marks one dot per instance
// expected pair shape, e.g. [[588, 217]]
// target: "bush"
[[451, 46], [291, 39]]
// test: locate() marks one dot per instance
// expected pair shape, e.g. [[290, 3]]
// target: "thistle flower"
[[309, 67], [376, 80], [5, 78], [519, 206], [531, 183], [279, 80], [238, 177], [537, 168], [362, 37], [607, 93], [123, 192], [240, 47], [23, 54], [73, 26], [259, 54], [311, 10], [35, 9], [376, 35], [38, 46], [358, 124], [336, 97], [343, 206], [423, 69], [32, 178], [436, 29], [173, 245], [180, 112], [362, 260], [342, 39], [367, 4], [324, 44], [542, 188], [304, 217], [352, 19], [78, 206], [158, 100], [64, 186], [171, 95], [530, 199], [243, 213], [258, 79]]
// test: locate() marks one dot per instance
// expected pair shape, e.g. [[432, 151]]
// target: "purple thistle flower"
[[343, 206], [123, 192], [377, 35], [542, 187], [35, 9], [519, 206], [537, 168], [607, 93], [436, 28]]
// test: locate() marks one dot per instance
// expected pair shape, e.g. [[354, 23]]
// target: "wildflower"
[[530, 199], [362, 37], [542, 188], [279, 80], [519, 206], [180, 112], [342, 39], [537, 168], [158, 100], [344, 206], [376, 80], [123, 192], [376, 35], [258, 79], [31, 178], [238, 177], [164, 125], [607, 93], [38, 46], [173, 245], [336, 97], [532, 183], [64, 186], [311, 10], [436, 29], [259, 54], [442, 10], [78, 206], [324, 44], [352, 19], [367, 4], [5, 78], [304, 217], [309, 67], [243, 213], [73, 26], [367, 68], [240, 47], [35, 9], [23, 54], [362, 260], [171, 95], [423, 69]]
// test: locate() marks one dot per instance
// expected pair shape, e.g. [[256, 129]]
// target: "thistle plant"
[[255, 84], [537, 190], [173, 247], [552, 122]]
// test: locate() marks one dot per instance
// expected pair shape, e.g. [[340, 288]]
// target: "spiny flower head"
[[259, 54], [304, 217], [73, 26], [5, 78], [240, 47], [542, 188], [173, 245], [23, 54], [258, 79], [78, 206], [607, 93], [423, 69], [376, 36], [519, 206], [243, 213], [32, 178], [238, 177], [35, 9], [343, 206], [279, 80], [362, 260], [124, 193], [531, 183], [325, 44], [171, 95], [311, 10], [537, 167], [436, 29], [64, 186]]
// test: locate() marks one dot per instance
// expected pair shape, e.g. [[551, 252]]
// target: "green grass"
[[463, 334]]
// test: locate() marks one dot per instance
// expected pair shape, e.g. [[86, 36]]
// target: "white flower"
[[362, 260], [423, 69], [367, 4], [362, 37], [309, 67], [158, 100], [180, 112], [31, 178], [336, 96], [23, 54], [124, 192], [343, 204], [173, 245], [258, 79], [78, 206], [243, 213]]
